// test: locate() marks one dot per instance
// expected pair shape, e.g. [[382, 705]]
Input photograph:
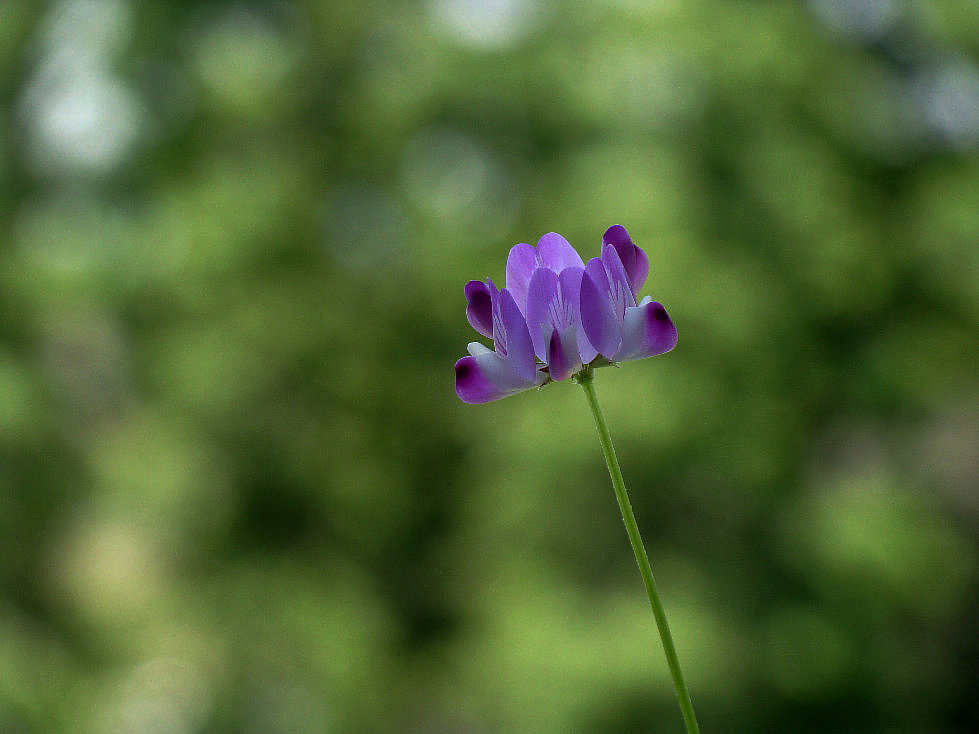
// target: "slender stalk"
[[586, 379]]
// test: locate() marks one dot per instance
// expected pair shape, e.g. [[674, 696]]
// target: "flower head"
[[558, 315]]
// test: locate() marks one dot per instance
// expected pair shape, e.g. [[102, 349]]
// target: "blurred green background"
[[237, 490]]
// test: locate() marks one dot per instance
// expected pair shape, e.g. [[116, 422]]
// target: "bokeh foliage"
[[237, 491]]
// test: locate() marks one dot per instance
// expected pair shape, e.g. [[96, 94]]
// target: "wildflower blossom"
[[558, 315]]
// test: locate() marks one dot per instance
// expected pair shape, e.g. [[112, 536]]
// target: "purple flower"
[[557, 316]]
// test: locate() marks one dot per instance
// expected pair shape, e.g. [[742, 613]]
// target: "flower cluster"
[[558, 315]]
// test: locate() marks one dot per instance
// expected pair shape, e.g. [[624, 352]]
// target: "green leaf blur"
[[237, 490]]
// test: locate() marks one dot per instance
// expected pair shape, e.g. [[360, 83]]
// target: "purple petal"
[[520, 266], [598, 319], [620, 291], [479, 307], [472, 386], [519, 348], [485, 376], [639, 271], [498, 369], [633, 258], [541, 295], [646, 331], [570, 280], [556, 253], [562, 354], [570, 287]]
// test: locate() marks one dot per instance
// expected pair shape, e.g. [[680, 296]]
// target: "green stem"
[[585, 378]]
